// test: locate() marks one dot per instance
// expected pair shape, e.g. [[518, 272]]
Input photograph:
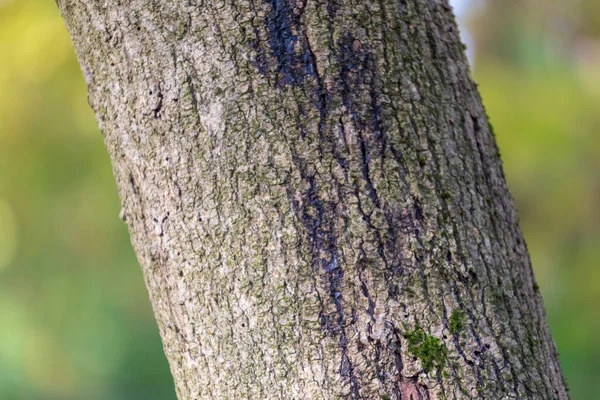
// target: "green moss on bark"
[[431, 351], [456, 321]]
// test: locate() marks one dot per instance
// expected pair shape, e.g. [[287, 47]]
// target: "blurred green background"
[[75, 320]]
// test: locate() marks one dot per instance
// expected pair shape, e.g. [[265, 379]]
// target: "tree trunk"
[[316, 199]]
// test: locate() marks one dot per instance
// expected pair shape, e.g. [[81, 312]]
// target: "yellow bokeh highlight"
[[40, 47]]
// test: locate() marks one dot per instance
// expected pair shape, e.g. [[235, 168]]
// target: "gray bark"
[[316, 199]]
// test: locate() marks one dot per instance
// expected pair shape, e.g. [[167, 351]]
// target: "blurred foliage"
[[75, 318], [538, 66]]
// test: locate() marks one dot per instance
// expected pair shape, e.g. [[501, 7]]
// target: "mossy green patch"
[[430, 350], [456, 321]]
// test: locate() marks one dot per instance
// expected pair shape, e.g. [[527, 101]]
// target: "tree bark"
[[316, 199]]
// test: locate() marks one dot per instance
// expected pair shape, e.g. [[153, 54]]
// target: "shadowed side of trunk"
[[316, 199]]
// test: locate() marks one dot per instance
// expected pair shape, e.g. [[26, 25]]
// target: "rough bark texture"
[[316, 199]]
